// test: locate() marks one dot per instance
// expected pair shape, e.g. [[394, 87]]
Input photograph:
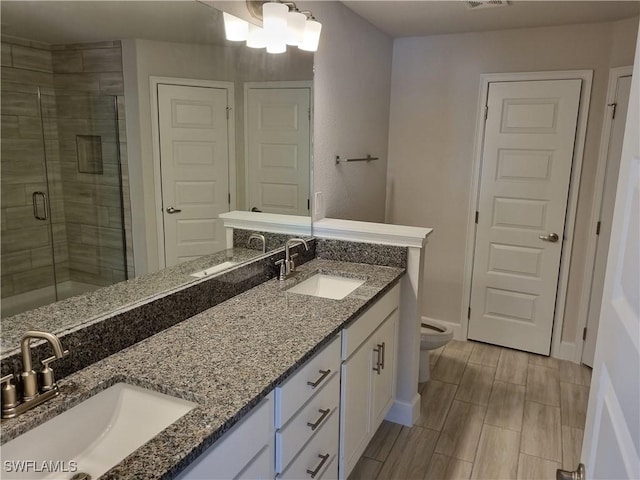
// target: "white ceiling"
[[399, 18], [189, 21], [61, 22]]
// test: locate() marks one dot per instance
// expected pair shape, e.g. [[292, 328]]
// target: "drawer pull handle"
[[383, 347], [313, 473], [379, 362], [317, 423], [323, 375]]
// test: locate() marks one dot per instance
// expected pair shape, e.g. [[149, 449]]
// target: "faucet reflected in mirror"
[[32, 393], [259, 237], [76, 162]]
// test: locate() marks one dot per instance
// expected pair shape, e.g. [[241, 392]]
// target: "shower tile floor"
[[488, 413]]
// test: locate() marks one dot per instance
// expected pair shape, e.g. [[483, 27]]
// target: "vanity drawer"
[[299, 388], [319, 456], [355, 334], [237, 449], [297, 431]]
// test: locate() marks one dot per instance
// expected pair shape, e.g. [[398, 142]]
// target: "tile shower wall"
[[27, 262], [85, 209], [86, 77]]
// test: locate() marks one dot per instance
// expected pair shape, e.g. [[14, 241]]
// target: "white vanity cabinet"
[[317, 424], [369, 350], [307, 418], [245, 452]]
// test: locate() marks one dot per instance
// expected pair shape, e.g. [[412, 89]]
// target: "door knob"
[[173, 210], [578, 474], [552, 237]]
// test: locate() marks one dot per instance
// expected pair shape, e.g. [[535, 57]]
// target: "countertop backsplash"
[[93, 341]]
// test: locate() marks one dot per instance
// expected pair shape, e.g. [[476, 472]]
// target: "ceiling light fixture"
[[235, 28], [282, 24]]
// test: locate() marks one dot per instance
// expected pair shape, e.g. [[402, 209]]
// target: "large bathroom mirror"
[[127, 127]]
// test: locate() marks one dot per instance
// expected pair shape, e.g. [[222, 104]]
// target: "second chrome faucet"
[[288, 265]]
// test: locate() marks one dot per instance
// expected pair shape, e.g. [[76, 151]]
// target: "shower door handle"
[[36, 209]]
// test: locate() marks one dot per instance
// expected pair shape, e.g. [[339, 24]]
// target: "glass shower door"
[[28, 273], [62, 211], [86, 196]]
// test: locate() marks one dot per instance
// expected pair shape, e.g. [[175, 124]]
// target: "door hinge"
[[309, 113], [613, 109], [469, 313], [598, 228], [228, 110], [308, 204], [584, 334], [229, 198], [486, 111], [477, 216]]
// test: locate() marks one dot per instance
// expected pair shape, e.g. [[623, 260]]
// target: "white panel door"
[[606, 215], [611, 447], [526, 167], [278, 149], [194, 162]]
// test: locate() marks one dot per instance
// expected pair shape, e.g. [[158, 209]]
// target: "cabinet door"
[[384, 380], [260, 468], [245, 447], [355, 409]]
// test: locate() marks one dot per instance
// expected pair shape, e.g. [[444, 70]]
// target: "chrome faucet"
[[288, 265], [257, 236], [32, 395]]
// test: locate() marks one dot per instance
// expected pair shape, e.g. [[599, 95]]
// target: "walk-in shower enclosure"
[[65, 209]]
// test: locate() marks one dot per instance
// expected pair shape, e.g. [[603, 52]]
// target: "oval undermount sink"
[[214, 269], [327, 286], [93, 436]]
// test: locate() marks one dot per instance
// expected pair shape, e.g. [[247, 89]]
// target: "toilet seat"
[[434, 335]]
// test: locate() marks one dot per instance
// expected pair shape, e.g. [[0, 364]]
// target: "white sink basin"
[[96, 434], [215, 269], [327, 286]]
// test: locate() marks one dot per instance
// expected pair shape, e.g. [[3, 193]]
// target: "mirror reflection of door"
[[278, 146], [194, 163]]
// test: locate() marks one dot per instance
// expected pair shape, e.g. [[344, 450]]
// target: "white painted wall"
[[434, 90], [352, 85], [145, 58]]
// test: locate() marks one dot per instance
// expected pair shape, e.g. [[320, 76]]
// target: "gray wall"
[[434, 96], [352, 89]]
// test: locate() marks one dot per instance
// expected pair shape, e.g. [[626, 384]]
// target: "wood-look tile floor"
[[487, 413]]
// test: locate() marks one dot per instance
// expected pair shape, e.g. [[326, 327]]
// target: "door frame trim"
[[268, 85], [615, 74], [559, 349], [155, 134]]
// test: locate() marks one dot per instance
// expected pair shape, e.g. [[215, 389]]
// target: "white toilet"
[[432, 335]]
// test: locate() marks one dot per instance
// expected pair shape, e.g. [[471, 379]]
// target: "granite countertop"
[[106, 301], [225, 359]]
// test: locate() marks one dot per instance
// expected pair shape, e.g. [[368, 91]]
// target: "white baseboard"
[[567, 351], [456, 327], [405, 413]]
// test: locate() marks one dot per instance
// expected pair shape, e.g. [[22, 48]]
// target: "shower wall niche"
[[66, 214]]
